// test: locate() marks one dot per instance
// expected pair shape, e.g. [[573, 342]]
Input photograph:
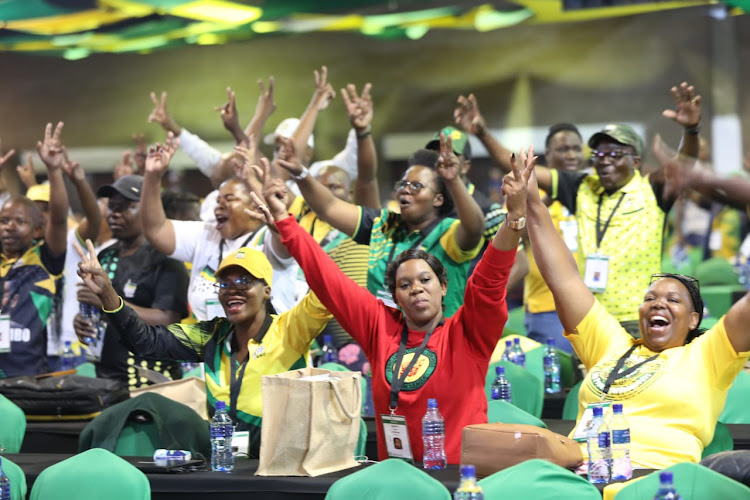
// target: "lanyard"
[[221, 245], [617, 372], [398, 380], [601, 230], [425, 233], [235, 379]]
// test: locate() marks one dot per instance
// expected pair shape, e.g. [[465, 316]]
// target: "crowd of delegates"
[[414, 293]]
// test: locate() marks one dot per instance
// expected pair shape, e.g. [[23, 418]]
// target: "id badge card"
[[596, 272], [569, 230], [214, 309], [386, 297], [240, 442], [5, 333], [714, 241], [582, 429], [397, 437]]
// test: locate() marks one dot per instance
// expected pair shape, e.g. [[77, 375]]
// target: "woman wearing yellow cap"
[[250, 342]]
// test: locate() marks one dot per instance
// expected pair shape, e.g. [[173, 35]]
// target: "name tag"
[[596, 272], [5, 333], [397, 437], [240, 442]]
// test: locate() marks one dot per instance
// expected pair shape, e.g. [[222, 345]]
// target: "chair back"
[[391, 479], [691, 481], [17, 479], [12, 425], [535, 365], [722, 441], [736, 410], [515, 324], [500, 411], [540, 480], [92, 475], [570, 409], [527, 392]]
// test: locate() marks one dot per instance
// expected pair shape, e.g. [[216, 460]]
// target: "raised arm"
[[158, 230], [231, 119], [687, 113], [161, 116], [468, 117], [52, 153], [338, 213], [26, 170], [263, 110], [360, 110], [573, 299], [88, 229], [321, 97], [469, 231]]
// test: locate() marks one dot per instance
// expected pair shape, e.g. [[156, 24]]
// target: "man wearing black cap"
[[152, 284]]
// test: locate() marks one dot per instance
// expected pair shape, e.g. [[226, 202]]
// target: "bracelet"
[[122, 303], [694, 130], [302, 174], [367, 131]]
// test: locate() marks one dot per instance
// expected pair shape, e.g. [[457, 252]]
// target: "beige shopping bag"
[[311, 420], [188, 391]]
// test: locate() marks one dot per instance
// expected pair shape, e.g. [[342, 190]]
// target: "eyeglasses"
[[613, 155], [410, 187], [241, 283]]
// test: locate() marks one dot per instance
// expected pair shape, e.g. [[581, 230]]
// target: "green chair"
[[92, 475], [535, 365], [12, 426], [736, 409], [17, 479], [527, 390], [692, 482], [515, 323], [540, 480], [722, 441], [716, 271], [359, 451], [86, 370], [391, 479], [500, 411], [570, 409]]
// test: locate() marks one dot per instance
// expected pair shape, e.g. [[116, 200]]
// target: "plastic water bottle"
[[666, 488], [600, 452], [551, 368], [4, 483], [68, 357], [92, 314], [508, 354], [221, 439], [501, 385], [622, 470], [328, 353], [519, 355], [468, 489], [433, 437]]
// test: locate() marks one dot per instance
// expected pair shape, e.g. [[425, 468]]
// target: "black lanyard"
[[398, 380], [601, 230], [425, 233], [617, 372], [221, 245], [235, 379]]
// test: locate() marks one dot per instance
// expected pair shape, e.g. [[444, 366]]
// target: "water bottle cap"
[[67, 343], [221, 405], [432, 403], [666, 477], [550, 341], [516, 341], [500, 370], [508, 343], [327, 338], [468, 471], [617, 408], [598, 411]]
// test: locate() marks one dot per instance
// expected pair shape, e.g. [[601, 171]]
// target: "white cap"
[[286, 129]]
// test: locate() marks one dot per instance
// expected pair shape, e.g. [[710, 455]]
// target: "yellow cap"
[[39, 192], [250, 260]]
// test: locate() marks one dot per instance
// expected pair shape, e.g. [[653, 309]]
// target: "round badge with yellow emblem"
[[420, 372]]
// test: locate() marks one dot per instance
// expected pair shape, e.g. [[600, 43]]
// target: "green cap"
[[459, 141], [621, 133]]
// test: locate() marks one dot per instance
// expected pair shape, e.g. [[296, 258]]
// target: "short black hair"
[[693, 288], [410, 254], [35, 213], [177, 203], [429, 158], [561, 127]]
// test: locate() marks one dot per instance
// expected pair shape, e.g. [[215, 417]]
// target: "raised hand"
[[287, 157], [516, 184], [124, 166], [248, 170], [51, 149], [359, 107], [266, 105], [26, 171], [229, 116], [468, 117], [679, 173], [72, 168], [90, 270], [324, 92], [161, 116], [687, 110], [447, 164], [5, 157], [275, 194], [159, 155], [141, 152]]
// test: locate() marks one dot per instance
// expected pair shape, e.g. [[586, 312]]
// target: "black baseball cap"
[[129, 186]]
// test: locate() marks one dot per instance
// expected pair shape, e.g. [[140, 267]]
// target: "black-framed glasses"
[[410, 187], [612, 155], [241, 283]]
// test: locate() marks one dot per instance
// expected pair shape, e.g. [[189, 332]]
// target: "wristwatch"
[[516, 224]]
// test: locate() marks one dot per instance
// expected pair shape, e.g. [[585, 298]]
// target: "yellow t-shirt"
[[673, 402]]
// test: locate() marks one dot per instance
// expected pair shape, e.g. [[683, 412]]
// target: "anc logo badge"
[[420, 372]]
